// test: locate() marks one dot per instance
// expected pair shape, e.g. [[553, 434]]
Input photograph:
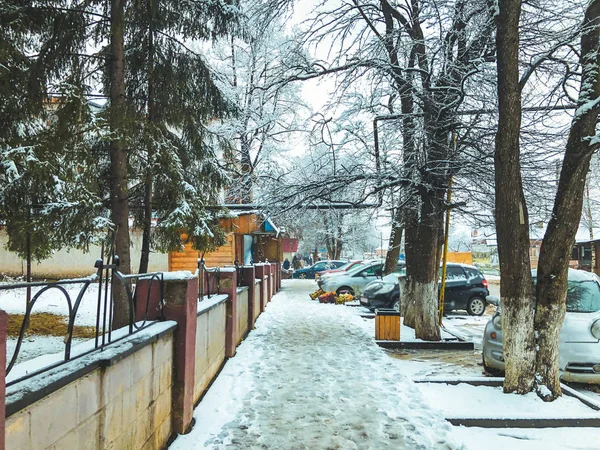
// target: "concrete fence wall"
[[210, 342], [242, 313], [125, 404], [256, 300], [141, 390]]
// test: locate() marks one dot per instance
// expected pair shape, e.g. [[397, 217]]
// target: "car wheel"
[[489, 370], [397, 305], [303, 276], [476, 306], [345, 290]]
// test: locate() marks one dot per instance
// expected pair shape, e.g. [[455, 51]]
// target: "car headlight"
[[596, 329], [497, 321]]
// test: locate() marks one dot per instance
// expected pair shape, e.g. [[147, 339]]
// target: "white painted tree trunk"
[[426, 311], [518, 345]]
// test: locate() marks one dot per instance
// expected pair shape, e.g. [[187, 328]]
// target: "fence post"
[[269, 283], [260, 274], [148, 293], [229, 287], [181, 305], [248, 274], [274, 279], [278, 271], [3, 332]]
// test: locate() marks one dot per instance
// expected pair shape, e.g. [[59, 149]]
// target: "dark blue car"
[[320, 266]]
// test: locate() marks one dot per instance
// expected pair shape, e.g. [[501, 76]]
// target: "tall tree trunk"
[[552, 275], [412, 258], [512, 222], [147, 225], [338, 240], [424, 278], [391, 258], [119, 202], [338, 249]]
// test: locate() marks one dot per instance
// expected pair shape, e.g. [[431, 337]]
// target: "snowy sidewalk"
[[310, 376]]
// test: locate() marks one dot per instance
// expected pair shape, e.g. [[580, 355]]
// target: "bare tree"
[[551, 289], [531, 326]]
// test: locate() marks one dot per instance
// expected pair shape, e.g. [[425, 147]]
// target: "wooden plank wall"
[[185, 260], [188, 258], [223, 256]]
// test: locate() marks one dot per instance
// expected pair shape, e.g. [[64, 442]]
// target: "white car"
[[363, 264], [354, 280], [579, 350]]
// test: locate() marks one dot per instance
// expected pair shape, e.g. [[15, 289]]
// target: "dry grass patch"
[[46, 324]]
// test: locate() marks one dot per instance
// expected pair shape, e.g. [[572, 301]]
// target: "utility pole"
[[590, 224]]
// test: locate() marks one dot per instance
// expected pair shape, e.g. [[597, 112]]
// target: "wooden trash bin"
[[387, 325]]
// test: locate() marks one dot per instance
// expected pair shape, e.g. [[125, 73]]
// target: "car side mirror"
[[492, 300]]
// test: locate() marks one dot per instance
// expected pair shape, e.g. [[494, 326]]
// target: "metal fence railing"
[[109, 282], [239, 274], [204, 280]]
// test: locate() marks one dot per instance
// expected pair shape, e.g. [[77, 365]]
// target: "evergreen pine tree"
[[48, 199], [173, 92]]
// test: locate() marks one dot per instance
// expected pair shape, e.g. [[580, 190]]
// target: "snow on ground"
[[311, 376], [34, 346], [465, 400], [54, 301], [407, 334], [528, 439], [51, 301], [470, 328]]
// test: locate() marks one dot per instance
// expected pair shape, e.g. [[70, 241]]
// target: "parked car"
[[466, 288], [362, 264], [353, 281], [334, 273], [579, 348], [383, 293], [320, 266], [345, 268]]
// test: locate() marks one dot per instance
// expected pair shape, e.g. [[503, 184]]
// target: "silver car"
[[353, 281], [361, 265], [579, 351]]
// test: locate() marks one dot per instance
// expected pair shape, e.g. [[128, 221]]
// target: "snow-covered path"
[[311, 377]]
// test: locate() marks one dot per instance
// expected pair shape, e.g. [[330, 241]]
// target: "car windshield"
[[583, 296], [391, 278], [346, 266]]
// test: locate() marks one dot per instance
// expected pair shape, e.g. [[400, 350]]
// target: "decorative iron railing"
[[240, 274], [108, 280], [204, 280]]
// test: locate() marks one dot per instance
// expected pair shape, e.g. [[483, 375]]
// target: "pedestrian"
[[286, 264], [295, 262], [310, 260]]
